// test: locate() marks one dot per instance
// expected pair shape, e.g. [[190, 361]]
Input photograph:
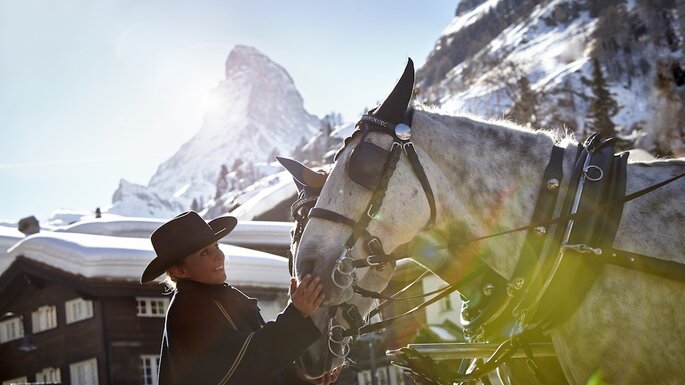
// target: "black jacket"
[[214, 335]]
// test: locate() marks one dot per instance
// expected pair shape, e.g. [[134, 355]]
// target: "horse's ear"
[[393, 108], [303, 175]]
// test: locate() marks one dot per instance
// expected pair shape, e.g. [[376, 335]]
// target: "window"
[[44, 318], [152, 307], [18, 380], [446, 304], [11, 329], [78, 309], [150, 366], [49, 375], [84, 372]]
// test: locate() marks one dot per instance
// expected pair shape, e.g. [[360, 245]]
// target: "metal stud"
[[488, 289], [514, 286], [553, 184], [540, 231], [402, 131]]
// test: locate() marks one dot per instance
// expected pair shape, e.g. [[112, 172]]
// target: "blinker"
[[402, 132], [366, 164]]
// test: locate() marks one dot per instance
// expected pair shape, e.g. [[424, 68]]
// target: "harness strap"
[[421, 174], [317, 212], [662, 268]]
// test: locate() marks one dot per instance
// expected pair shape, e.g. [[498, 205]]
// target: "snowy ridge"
[[470, 17]]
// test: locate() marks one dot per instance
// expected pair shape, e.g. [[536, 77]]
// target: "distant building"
[[72, 310], [29, 225]]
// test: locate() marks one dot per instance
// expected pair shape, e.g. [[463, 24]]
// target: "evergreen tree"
[[273, 155], [221, 182], [602, 105], [525, 109], [195, 206]]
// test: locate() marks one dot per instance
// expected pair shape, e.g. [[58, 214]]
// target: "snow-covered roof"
[[245, 233], [8, 237], [121, 258], [640, 155], [115, 226], [268, 197], [442, 333]]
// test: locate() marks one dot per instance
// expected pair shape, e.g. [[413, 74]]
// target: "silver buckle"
[[344, 266], [343, 342], [593, 167], [370, 263]]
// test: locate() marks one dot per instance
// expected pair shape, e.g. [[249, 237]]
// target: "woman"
[[213, 333]]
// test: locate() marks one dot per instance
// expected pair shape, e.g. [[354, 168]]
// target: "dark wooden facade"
[[116, 336]]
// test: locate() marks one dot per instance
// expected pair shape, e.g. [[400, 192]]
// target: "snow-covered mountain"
[[497, 55], [259, 113], [527, 60]]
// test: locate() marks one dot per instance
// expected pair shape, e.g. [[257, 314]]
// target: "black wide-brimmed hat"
[[182, 236]]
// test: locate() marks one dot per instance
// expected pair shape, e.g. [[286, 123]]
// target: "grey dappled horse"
[[485, 177]]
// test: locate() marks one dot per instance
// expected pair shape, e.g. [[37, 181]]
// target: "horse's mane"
[[561, 135]]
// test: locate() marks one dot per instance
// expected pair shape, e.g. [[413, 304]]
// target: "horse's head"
[[309, 183], [372, 202]]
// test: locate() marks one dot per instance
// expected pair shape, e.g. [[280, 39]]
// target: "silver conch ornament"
[[402, 131]]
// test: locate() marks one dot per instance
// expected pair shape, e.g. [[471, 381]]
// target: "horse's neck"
[[486, 179]]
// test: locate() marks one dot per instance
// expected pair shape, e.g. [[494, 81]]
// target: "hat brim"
[[222, 226]]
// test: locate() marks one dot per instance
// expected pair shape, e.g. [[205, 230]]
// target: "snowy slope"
[[490, 44]]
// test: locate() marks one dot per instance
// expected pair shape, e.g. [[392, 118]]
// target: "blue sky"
[[95, 91]]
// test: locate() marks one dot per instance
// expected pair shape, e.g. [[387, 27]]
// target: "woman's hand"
[[307, 296]]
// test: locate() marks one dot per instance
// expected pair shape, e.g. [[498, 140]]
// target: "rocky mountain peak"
[[258, 113]]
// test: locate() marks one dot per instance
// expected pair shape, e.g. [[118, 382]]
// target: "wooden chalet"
[[72, 310]]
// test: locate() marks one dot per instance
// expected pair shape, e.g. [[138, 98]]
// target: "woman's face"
[[205, 266]]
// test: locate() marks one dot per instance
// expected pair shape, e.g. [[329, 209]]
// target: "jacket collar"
[[189, 285]]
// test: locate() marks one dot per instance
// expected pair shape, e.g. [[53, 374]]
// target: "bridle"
[[363, 169]]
